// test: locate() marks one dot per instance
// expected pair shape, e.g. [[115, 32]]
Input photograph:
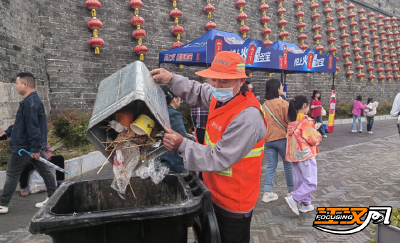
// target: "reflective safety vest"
[[237, 188]]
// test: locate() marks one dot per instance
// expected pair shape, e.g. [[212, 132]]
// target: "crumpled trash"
[[117, 126], [155, 170]]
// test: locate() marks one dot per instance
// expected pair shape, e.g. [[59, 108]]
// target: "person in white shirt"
[[396, 110]]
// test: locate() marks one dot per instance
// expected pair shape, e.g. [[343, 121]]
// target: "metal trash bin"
[[91, 211]]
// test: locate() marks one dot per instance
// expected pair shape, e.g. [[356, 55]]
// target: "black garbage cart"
[[91, 211]]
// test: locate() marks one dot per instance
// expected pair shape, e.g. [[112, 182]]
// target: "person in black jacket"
[[29, 132]]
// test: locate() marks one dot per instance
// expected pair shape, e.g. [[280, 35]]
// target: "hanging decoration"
[[139, 33], [397, 40], [365, 36], [282, 23], [209, 9], [242, 17], [177, 29], [301, 25], [95, 25], [265, 20]]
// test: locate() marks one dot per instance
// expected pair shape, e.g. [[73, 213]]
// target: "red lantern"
[[365, 36], [330, 20], [136, 4], [137, 21], [264, 7], [301, 26], [209, 9], [372, 77], [383, 39], [356, 50], [314, 6], [353, 24], [394, 19], [350, 7], [382, 78], [389, 77], [373, 22], [93, 4], [96, 42], [242, 17], [280, 2], [328, 10], [283, 35], [344, 36], [379, 63], [176, 14], [315, 16], [358, 59], [355, 41], [241, 4], [354, 32], [387, 19], [298, 4], [375, 38], [266, 31], [343, 27], [381, 24], [370, 69], [177, 44], [244, 30], [373, 30], [95, 25], [140, 50], [361, 12], [368, 61], [340, 10], [367, 52], [379, 17], [211, 25], [267, 43], [265, 20], [384, 48], [371, 15], [346, 55], [282, 23], [317, 38], [389, 69], [300, 14], [350, 74], [377, 54], [388, 27], [139, 34], [178, 30], [320, 49], [364, 28], [316, 27], [361, 76], [302, 37], [345, 46], [304, 47], [341, 19], [333, 50]]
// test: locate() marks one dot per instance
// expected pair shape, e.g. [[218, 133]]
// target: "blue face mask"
[[222, 94]]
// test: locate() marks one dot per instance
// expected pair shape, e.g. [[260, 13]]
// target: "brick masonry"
[[50, 39]]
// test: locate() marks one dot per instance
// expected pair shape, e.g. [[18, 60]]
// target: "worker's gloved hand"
[[172, 140], [161, 75]]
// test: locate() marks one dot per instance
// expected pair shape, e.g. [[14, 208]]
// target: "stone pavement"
[[354, 169]]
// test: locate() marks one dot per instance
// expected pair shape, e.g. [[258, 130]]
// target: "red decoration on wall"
[[242, 17], [177, 29], [209, 9], [95, 25], [139, 34]]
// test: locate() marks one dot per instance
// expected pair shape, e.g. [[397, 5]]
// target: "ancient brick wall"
[[21, 49], [73, 72]]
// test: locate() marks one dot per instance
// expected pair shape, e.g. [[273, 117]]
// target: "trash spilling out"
[[127, 126]]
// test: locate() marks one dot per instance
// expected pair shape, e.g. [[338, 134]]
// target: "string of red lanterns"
[[265, 20], [342, 28], [209, 9], [177, 29], [316, 27], [282, 23], [139, 33], [367, 52], [242, 17], [360, 67], [355, 41], [396, 35], [95, 25], [301, 25]]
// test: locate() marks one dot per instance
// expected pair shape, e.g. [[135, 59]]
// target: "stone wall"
[[21, 49], [54, 44]]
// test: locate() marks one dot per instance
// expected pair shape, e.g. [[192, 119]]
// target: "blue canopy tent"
[[280, 57], [195, 52]]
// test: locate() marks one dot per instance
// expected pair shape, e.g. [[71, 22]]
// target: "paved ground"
[[354, 169]]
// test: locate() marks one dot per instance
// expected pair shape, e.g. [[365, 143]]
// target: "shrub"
[[5, 154], [394, 221], [70, 125]]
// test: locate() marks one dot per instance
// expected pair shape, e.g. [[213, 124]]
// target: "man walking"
[[234, 140], [29, 132]]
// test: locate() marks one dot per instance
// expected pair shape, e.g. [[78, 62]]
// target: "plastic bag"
[[36, 183], [155, 170], [125, 160]]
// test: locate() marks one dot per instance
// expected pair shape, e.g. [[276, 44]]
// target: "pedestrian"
[[395, 112], [55, 159], [234, 140], [171, 159], [29, 132], [199, 120], [276, 111], [369, 113], [316, 111], [358, 106], [301, 150]]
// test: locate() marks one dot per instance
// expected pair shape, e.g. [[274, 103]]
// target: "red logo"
[[285, 59], [250, 54], [184, 57], [169, 57], [330, 62], [310, 60], [218, 46], [280, 62]]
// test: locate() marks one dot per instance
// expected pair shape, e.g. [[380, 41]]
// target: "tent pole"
[[159, 65], [282, 77], [333, 81]]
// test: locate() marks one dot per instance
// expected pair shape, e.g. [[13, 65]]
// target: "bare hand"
[[161, 75], [2, 134], [35, 156], [190, 135], [172, 140]]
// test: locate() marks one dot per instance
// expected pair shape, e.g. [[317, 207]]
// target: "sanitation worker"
[[230, 158]]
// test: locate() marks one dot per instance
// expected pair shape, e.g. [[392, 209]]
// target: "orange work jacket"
[[237, 188]]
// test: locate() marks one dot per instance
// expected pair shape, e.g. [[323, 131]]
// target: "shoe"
[[24, 193], [41, 204], [369, 132], [269, 197], [360, 131], [292, 204], [306, 208], [324, 136], [3, 209], [353, 130]]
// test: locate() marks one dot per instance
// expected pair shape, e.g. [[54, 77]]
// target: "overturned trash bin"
[[93, 211]]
